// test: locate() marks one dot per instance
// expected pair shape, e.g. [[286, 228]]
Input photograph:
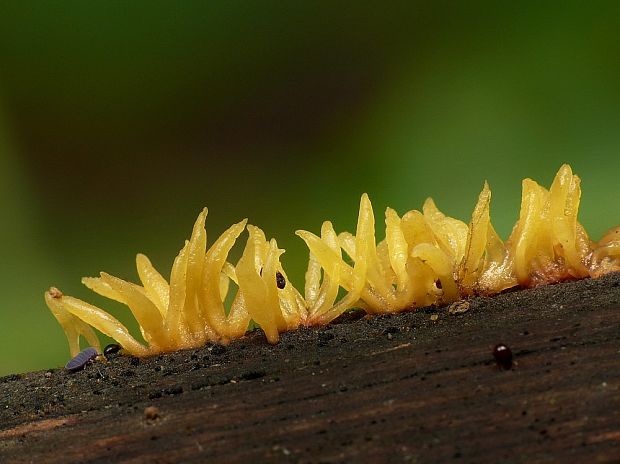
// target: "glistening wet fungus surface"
[[426, 258], [395, 388]]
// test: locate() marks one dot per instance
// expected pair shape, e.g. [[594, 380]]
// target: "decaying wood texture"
[[405, 388]]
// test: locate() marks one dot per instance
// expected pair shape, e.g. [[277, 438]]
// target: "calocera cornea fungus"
[[425, 259]]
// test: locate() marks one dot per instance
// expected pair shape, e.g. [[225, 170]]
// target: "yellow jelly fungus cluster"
[[425, 259]]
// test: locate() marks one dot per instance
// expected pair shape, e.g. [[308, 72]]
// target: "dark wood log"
[[403, 388]]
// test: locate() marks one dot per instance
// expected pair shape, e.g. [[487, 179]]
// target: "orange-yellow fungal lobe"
[[606, 255], [472, 265], [74, 327], [547, 243], [426, 258]]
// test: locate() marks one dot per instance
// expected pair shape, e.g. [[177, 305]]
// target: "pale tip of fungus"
[[55, 293]]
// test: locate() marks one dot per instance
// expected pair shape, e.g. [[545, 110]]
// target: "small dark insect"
[[111, 349], [81, 359], [280, 280], [503, 356]]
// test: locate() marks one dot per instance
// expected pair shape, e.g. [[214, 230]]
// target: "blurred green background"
[[120, 120]]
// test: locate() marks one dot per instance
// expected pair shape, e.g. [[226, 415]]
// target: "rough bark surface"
[[400, 388]]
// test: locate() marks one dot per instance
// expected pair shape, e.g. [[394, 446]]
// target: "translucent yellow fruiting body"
[[425, 259]]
